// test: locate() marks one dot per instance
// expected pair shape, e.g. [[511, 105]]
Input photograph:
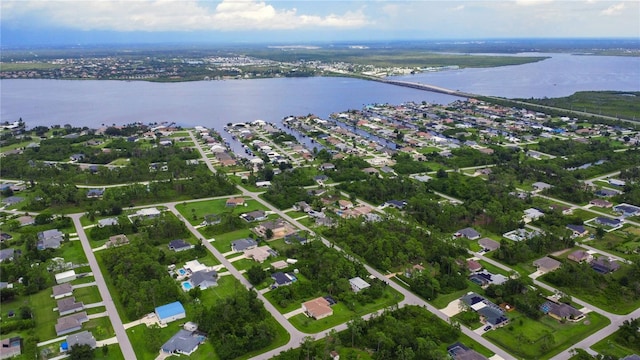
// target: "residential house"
[[283, 279], [473, 265], [76, 157], [65, 277], [561, 311], [180, 245], [184, 342], [26, 220], [564, 210], [489, 244], [10, 347], [521, 234], [577, 230], [532, 214], [95, 193], [458, 351], [398, 204], [288, 239], [302, 206], [327, 166], [257, 215], [233, 202], [71, 323], [627, 210], [243, 244], [211, 219], [490, 313], [541, 186], [617, 182], [320, 179], [604, 192], [260, 254], [12, 200], [580, 256], [605, 265], [117, 240], [485, 278], [81, 338], [601, 203], [605, 221], [4, 236], [50, 239], [204, 279], [357, 284], [107, 222], [149, 213], [546, 264], [69, 305], [469, 233], [170, 312], [62, 290], [317, 309], [279, 228], [7, 254], [345, 204]]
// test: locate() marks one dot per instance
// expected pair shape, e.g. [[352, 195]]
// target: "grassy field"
[[202, 208], [609, 346], [28, 66], [530, 339], [610, 103], [341, 314]]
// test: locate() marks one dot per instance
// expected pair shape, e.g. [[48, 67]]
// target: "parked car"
[[487, 328]]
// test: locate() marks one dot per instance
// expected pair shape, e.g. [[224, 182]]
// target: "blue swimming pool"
[[186, 286], [182, 272]]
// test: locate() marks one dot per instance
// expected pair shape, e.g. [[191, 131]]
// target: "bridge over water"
[[421, 86]]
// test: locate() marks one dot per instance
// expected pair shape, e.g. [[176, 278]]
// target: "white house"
[[357, 284], [66, 276]]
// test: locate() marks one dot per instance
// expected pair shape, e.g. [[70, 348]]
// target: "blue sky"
[[100, 21]]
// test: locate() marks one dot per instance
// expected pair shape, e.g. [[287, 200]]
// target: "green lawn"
[[223, 241], [444, 299], [341, 314], [72, 251], [493, 269], [609, 346], [542, 339], [88, 295], [202, 208]]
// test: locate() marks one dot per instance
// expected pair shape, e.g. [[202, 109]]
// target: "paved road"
[[116, 322], [202, 154]]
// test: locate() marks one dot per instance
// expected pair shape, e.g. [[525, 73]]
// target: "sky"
[[254, 21]]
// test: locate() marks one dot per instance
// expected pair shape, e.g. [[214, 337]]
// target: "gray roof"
[[6, 254], [547, 263], [69, 304], [183, 341], [243, 244], [62, 289], [81, 338], [71, 323], [469, 233], [50, 239], [206, 278], [489, 243]]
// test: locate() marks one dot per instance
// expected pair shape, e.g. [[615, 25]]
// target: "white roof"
[[359, 283], [148, 212], [194, 266], [479, 305], [65, 274]]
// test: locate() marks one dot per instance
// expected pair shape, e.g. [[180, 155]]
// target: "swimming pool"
[[182, 272], [186, 286]]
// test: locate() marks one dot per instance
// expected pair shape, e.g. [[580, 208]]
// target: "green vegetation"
[[542, 339], [621, 343], [611, 103]]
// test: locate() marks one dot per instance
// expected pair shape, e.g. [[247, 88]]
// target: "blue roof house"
[[170, 312]]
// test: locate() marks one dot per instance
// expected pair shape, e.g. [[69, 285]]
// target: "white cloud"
[[458, 8], [174, 15], [613, 9]]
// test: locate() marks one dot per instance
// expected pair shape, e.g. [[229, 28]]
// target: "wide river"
[[215, 103]]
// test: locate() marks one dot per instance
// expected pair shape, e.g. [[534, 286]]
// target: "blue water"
[[182, 272], [187, 285]]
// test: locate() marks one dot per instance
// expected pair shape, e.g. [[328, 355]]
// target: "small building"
[[532, 214], [184, 342], [10, 347], [489, 244], [604, 192], [107, 222], [357, 284], [204, 279], [561, 311], [485, 278], [317, 309], [148, 213], [473, 265], [601, 203], [71, 323], [95, 193], [257, 215], [458, 351], [577, 230], [62, 290], [81, 338], [283, 279], [580, 256], [547, 264], [233, 202], [627, 210], [398, 204], [469, 233], [65, 277], [7, 254], [617, 182], [541, 185], [260, 254], [50, 239], [243, 244], [69, 305], [490, 313], [170, 312], [605, 265], [117, 240], [180, 245], [605, 221]]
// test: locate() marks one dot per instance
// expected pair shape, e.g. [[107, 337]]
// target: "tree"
[[268, 234], [256, 274], [81, 352]]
